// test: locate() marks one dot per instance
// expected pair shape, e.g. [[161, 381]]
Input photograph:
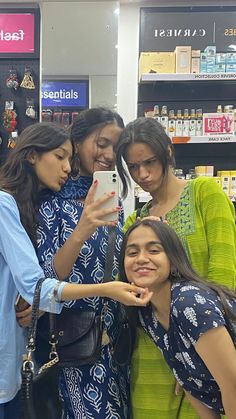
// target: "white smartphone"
[[108, 181]]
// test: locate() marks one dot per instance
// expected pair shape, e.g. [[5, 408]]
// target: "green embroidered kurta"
[[204, 219]]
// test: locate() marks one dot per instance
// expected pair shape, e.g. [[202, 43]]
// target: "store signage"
[[163, 30], [206, 139], [17, 33], [65, 94], [179, 33]]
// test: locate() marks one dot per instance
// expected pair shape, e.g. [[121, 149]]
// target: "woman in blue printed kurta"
[[190, 320], [40, 160], [100, 390]]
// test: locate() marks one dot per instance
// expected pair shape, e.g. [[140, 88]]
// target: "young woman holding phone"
[[41, 159]]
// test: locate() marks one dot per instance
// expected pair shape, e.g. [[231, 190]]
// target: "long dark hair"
[[17, 175], [150, 132], [179, 262]]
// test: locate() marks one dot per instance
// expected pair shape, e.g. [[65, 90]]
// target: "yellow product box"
[[149, 114], [183, 59], [156, 62], [217, 179], [209, 171], [225, 181], [200, 171], [232, 184]]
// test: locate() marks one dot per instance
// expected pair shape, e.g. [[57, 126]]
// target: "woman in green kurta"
[[204, 219]]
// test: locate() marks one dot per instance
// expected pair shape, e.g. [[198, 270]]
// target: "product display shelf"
[[214, 150], [187, 77], [205, 139], [143, 197]]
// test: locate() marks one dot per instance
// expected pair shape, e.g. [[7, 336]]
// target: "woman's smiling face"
[[97, 151], [146, 263]]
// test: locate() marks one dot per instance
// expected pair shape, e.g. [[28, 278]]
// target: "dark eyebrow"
[[151, 243], [143, 161], [64, 150]]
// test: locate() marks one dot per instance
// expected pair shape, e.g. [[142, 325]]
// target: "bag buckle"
[[28, 363], [105, 338]]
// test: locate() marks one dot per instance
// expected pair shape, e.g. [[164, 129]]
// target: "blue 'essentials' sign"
[[65, 94]]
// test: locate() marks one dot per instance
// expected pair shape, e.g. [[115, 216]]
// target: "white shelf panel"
[[206, 139], [187, 77]]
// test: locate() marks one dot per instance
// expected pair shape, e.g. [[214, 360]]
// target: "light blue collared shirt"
[[19, 273]]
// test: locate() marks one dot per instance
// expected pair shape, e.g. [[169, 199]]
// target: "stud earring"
[[175, 273]]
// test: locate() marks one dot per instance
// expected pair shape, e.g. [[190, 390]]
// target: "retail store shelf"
[[187, 77], [205, 139]]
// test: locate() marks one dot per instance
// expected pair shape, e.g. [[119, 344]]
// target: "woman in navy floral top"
[[72, 245], [192, 322]]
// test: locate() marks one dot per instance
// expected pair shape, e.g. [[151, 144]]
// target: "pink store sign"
[[16, 33]]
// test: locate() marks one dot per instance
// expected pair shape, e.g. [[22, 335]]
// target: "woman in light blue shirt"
[[40, 160]]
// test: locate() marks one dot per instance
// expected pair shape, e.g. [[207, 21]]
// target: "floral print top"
[[194, 310]]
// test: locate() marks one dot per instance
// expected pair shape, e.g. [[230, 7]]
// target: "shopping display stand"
[[162, 29], [19, 63]]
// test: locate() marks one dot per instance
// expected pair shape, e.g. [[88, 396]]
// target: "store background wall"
[[79, 40], [128, 49], [128, 55]]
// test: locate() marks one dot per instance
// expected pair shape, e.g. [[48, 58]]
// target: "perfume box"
[[156, 62], [203, 63], [231, 58], [220, 57], [183, 59], [218, 123], [220, 68], [210, 50], [195, 65], [196, 53], [230, 68]]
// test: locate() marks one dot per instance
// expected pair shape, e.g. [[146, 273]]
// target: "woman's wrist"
[[76, 238], [105, 290]]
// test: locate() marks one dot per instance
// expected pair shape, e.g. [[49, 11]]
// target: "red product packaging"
[[218, 123]]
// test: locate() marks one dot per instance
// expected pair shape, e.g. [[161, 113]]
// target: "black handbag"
[[39, 390], [78, 337], [78, 333]]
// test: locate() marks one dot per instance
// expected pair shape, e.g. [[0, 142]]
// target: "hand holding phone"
[[101, 206], [108, 182]]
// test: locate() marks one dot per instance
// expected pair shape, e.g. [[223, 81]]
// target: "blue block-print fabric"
[[92, 391]]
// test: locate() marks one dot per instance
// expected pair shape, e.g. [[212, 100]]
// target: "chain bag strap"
[[28, 372]]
